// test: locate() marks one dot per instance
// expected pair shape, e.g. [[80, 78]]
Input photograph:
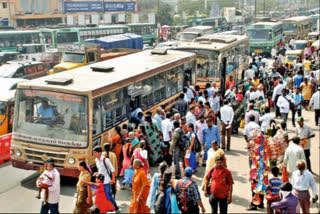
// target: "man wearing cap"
[[288, 203], [302, 180], [220, 191], [305, 133], [293, 153], [297, 100], [226, 115], [54, 193], [194, 198], [315, 102]]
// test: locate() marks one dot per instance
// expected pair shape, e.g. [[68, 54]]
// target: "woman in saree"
[[153, 140], [140, 189]]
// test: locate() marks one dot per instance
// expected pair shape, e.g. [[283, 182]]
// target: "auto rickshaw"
[[292, 56]]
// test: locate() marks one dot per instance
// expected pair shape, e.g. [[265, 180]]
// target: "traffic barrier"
[[5, 144]]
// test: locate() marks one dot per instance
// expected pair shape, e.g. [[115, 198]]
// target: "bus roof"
[[197, 28], [140, 24], [297, 19], [268, 23], [127, 70], [315, 33], [301, 41], [19, 32], [215, 42]]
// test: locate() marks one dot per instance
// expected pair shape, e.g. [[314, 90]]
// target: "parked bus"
[[8, 87], [218, 23], [191, 33], [10, 39], [68, 36], [148, 31], [315, 22], [88, 102], [211, 49], [264, 36], [31, 51], [297, 27]]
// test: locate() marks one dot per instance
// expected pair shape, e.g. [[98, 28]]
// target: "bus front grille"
[[40, 157]]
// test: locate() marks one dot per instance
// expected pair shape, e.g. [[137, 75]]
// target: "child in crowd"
[[274, 187], [46, 180]]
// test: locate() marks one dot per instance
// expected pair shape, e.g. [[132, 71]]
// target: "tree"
[[190, 7], [166, 14]]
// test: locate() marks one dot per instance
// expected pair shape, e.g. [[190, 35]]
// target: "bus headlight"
[[18, 153], [72, 160]]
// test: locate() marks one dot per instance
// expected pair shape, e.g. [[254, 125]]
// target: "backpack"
[[182, 196], [160, 203], [183, 142], [196, 145]]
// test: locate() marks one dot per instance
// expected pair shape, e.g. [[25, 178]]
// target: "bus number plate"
[[258, 51]]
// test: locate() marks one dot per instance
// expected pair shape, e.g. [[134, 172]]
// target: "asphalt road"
[[18, 191]]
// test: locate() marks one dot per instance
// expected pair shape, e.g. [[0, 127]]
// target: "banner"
[[96, 6]]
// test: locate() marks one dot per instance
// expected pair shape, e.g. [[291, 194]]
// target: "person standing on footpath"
[[209, 134], [220, 191], [302, 180], [54, 193], [105, 168], [315, 102], [188, 194], [305, 133], [226, 115]]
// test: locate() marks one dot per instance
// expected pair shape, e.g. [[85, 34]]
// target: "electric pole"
[[264, 8], [255, 9], [158, 21]]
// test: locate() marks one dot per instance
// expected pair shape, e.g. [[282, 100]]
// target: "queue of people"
[[196, 132]]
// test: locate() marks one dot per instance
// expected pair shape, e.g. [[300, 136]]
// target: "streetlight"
[[158, 21]]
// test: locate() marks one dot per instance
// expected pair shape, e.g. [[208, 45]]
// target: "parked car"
[[23, 69]]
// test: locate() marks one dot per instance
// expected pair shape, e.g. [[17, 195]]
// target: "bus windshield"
[[188, 36], [51, 118], [301, 46], [67, 37], [260, 34], [3, 108], [73, 57], [289, 27]]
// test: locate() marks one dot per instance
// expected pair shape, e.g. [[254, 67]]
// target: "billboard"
[[97, 6]]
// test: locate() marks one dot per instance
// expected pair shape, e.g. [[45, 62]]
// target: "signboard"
[[97, 6], [107, 18], [70, 20], [121, 17]]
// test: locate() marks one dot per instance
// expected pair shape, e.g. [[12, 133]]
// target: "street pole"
[[255, 9], [264, 8], [158, 21], [9, 13]]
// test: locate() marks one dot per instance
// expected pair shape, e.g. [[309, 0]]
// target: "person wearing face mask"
[[288, 203], [302, 180]]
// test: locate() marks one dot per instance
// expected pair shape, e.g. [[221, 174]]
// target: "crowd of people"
[[196, 132]]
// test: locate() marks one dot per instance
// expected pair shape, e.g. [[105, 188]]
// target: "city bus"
[[10, 39], [315, 22], [49, 36], [297, 27], [87, 103], [148, 31], [264, 36], [68, 36], [189, 34], [218, 23], [211, 49]]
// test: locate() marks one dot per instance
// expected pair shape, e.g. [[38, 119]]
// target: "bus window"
[[96, 117], [19, 73], [91, 57], [172, 82], [67, 37]]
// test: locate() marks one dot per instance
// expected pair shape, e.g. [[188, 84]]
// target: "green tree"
[[166, 14]]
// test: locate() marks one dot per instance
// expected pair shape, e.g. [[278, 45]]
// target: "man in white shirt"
[[293, 153], [190, 91], [283, 104], [106, 168], [250, 112], [302, 180], [315, 102], [226, 115], [167, 129], [190, 117], [265, 120], [54, 193], [249, 128], [249, 73]]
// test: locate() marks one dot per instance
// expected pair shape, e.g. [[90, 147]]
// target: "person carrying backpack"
[[177, 148], [188, 196]]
